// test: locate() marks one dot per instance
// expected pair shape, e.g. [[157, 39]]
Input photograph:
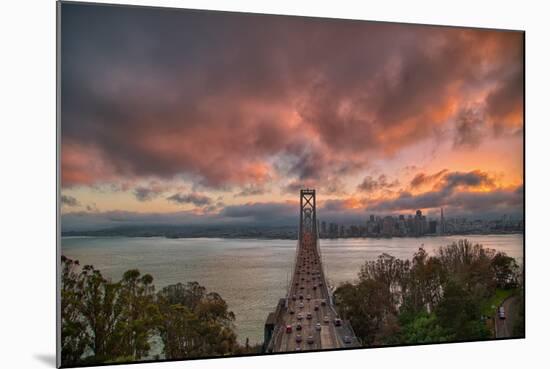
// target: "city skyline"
[[190, 118]]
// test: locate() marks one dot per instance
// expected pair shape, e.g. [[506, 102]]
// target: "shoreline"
[[240, 237]]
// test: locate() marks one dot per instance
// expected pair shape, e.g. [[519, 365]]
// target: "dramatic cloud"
[[200, 95], [192, 198], [294, 187], [505, 102], [204, 108], [469, 128], [328, 187], [422, 179], [462, 192], [447, 181], [144, 193], [92, 208], [153, 189], [470, 179], [69, 201], [334, 186], [467, 202], [251, 190], [371, 184]]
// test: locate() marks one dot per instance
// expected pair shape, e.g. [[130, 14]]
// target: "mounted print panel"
[[245, 184]]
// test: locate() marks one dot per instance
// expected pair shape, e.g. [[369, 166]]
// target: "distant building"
[[441, 224], [387, 226], [419, 221], [432, 227]]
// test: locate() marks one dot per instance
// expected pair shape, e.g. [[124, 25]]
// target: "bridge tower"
[[308, 216]]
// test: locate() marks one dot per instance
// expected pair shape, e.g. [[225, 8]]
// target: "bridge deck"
[[309, 311]]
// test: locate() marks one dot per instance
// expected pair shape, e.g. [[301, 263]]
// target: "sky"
[[208, 118]]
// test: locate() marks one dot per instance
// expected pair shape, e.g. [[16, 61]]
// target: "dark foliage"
[[104, 321], [428, 299]]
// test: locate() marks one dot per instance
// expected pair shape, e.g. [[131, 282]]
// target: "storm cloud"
[[192, 198], [237, 100], [421, 179], [69, 201], [145, 193], [462, 202], [370, 184]]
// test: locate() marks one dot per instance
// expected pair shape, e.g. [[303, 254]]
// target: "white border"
[[28, 214]]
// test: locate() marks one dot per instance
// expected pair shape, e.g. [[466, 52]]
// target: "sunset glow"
[[205, 119]]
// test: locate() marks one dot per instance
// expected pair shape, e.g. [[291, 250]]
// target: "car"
[[298, 327], [323, 303], [301, 297], [309, 316], [299, 316], [288, 329], [316, 307], [320, 284], [501, 313], [301, 305], [318, 326], [347, 339], [298, 348], [296, 284], [310, 340], [298, 338], [338, 322], [326, 319], [291, 311], [293, 297], [308, 297]]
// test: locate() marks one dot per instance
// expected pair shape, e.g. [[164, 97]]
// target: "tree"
[[506, 270], [469, 265], [421, 327], [390, 272], [369, 307], [429, 299], [459, 314], [425, 280], [139, 315], [194, 322], [101, 308], [104, 321], [74, 335]]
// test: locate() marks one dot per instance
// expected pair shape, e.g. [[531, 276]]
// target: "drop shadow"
[[48, 359]]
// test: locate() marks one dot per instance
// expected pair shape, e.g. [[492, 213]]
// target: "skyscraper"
[[387, 226], [442, 224], [419, 220]]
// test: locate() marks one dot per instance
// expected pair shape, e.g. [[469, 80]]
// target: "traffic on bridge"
[[306, 318]]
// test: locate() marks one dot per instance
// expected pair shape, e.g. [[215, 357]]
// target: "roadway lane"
[[308, 297], [504, 327]]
